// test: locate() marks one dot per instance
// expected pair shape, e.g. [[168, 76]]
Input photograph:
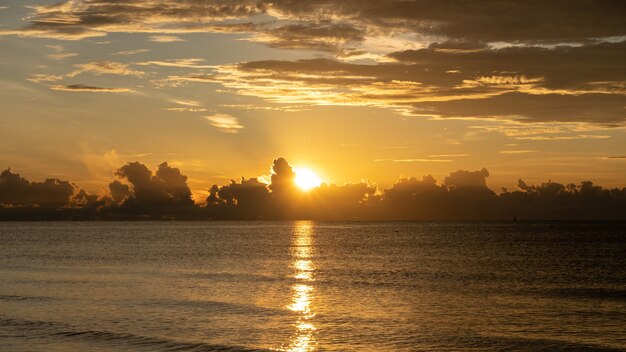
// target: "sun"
[[306, 179]]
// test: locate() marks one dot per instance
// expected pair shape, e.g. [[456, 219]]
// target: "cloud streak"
[[185, 63], [86, 88], [165, 39]]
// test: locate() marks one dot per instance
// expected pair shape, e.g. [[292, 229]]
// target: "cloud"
[[544, 22], [131, 52], [617, 157], [75, 20], [250, 107], [436, 59], [165, 39], [189, 106], [167, 189], [564, 138], [17, 191], [96, 68], [562, 84], [417, 160], [448, 155], [61, 56], [348, 29], [225, 123], [119, 192], [105, 67], [546, 131], [38, 78], [187, 63], [52, 32], [454, 38], [345, 22], [521, 151], [186, 102], [86, 88], [282, 178], [179, 109], [311, 36], [59, 52]]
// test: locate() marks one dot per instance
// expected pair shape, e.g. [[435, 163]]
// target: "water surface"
[[309, 286]]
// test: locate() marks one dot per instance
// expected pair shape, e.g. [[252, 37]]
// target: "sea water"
[[312, 286]]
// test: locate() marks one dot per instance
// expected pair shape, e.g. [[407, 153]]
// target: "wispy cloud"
[[545, 131], [190, 63], [186, 102], [165, 39], [105, 67], [225, 123], [448, 155], [131, 52], [179, 109], [521, 151], [417, 160], [250, 107], [564, 138], [59, 52], [61, 56], [38, 78], [188, 106]]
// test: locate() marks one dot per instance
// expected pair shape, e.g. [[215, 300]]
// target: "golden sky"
[[351, 89]]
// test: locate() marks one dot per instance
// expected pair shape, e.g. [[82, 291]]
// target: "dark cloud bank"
[[140, 193]]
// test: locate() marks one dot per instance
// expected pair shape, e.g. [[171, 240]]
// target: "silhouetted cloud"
[[283, 177], [166, 190], [86, 88], [467, 179], [463, 195], [119, 191], [17, 191], [249, 199]]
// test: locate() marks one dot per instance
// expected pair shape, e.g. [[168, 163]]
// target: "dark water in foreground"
[[305, 286]]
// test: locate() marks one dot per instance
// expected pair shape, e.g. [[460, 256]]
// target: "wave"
[[207, 305], [25, 298], [55, 330], [589, 293]]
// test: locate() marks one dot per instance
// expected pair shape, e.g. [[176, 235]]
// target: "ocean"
[[312, 286]]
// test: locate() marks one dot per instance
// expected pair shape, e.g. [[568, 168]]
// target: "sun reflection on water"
[[303, 291]]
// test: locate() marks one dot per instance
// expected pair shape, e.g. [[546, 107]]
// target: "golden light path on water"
[[303, 292]]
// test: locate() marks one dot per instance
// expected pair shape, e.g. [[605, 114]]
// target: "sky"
[[353, 90]]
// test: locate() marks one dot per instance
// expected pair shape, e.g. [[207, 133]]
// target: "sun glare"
[[306, 179]]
